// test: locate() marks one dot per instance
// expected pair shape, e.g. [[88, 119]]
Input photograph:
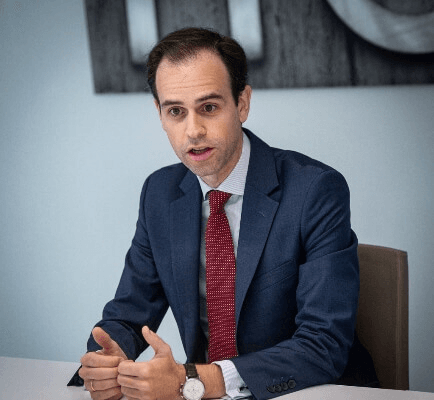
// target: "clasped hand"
[[108, 374]]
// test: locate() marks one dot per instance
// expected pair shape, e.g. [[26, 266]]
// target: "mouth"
[[200, 150], [200, 153]]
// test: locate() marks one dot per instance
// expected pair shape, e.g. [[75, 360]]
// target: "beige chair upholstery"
[[382, 320]]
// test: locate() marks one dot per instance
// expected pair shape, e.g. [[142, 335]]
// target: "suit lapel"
[[185, 230], [259, 209]]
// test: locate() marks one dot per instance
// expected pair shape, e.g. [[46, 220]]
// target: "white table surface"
[[24, 379]]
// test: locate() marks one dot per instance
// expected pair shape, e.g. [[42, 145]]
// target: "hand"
[[100, 369], [161, 377]]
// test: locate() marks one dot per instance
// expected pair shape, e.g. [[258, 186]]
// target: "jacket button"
[[277, 388], [271, 389], [292, 384], [284, 386]]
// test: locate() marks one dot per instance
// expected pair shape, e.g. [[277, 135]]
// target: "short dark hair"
[[186, 43]]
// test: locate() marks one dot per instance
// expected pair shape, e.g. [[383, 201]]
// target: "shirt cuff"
[[236, 388]]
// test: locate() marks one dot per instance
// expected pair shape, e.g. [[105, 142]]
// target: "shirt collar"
[[236, 180]]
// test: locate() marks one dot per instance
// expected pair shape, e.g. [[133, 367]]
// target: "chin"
[[201, 172]]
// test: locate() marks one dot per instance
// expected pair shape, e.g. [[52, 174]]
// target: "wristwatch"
[[193, 388]]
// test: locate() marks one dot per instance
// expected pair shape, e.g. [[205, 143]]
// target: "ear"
[[244, 103]]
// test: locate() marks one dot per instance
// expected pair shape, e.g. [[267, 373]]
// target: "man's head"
[[194, 96], [184, 44]]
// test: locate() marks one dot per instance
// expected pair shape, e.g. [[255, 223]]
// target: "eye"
[[209, 108], [175, 112]]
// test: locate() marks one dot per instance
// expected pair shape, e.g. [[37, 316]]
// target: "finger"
[[159, 345], [104, 340], [130, 381], [95, 359], [101, 385], [117, 396], [109, 394], [129, 368], [98, 373], [132, 394]]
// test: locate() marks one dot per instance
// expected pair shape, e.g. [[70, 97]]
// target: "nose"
[[195, 127]]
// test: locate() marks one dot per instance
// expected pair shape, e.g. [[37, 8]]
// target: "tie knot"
[[217, 200]]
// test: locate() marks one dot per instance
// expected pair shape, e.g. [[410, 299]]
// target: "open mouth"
[[199, 151], [200, 154]]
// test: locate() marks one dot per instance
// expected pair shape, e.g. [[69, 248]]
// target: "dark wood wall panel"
[[176, 15], [108, 38], [375, 66], [305, 45]]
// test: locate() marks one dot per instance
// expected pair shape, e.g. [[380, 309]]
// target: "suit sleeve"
[[326, 297], [139, 298]]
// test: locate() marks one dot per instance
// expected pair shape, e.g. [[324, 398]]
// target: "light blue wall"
[[72, 164]]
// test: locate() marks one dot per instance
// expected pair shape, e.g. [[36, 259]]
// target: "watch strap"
[[191, 371]]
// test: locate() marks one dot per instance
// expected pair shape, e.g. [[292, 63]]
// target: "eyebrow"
[[211, 96]]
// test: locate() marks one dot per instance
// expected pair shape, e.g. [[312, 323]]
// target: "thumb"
[[108, 345], [161, 348]]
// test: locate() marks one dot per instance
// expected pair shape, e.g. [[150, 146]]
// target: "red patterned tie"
[[220, 280]]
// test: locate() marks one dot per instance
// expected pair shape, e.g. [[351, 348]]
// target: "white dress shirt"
[[234, 184]]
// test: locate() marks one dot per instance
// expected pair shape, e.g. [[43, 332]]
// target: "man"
[[274, 306]]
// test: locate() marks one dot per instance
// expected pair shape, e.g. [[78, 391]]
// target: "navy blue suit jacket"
[[297, 276]]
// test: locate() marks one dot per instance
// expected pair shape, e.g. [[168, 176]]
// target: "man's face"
[[198, 113]]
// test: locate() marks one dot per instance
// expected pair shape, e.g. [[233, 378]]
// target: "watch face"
[[193, 389]]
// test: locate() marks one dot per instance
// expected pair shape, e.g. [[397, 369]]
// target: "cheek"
[[165, 125], [230, 122], [172, 141], [170, 132]]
